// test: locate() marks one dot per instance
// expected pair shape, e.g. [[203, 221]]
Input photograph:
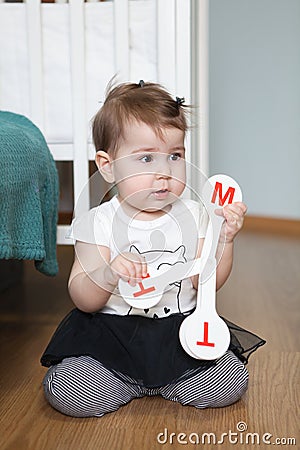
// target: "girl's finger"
[[242, 206], [219, 212], [235, 210], [144, 268], [233, 219], [138, 271], [129, 273]]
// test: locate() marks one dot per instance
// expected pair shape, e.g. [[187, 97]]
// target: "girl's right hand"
[[129, 267]]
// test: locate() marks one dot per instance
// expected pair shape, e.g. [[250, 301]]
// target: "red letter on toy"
[[143, 290], [229, 193], [205, 337]]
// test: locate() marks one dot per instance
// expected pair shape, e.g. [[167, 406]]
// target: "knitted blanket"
[[28, 194]]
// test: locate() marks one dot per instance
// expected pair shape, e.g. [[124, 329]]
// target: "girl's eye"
[[175, 156], [146, 158]]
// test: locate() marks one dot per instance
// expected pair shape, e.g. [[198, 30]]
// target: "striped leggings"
[[83, 387]]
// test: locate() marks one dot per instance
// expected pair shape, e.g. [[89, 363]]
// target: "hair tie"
[[180, 101], [141, 83]]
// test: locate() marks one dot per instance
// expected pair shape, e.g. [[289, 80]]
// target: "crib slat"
[[121, 35], [62, 231], [80, 165], [204, 84], [34, 39], [61, 151], [201, 83], [183, 68], [166, 43], [183, 50]]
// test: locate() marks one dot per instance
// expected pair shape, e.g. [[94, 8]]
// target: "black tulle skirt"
[[140, 348]]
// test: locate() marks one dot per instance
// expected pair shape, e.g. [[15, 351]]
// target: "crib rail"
[[179, 42]]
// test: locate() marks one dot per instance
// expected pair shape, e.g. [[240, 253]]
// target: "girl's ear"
[[104, 164]]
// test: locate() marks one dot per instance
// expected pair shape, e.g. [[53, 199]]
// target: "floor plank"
[[262, 295]]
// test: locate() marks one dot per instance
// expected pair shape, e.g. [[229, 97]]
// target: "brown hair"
[[145, 102]]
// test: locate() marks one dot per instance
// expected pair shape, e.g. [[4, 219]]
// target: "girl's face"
[[149, 170]]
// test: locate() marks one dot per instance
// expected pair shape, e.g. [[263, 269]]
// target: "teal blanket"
[[28, 194]]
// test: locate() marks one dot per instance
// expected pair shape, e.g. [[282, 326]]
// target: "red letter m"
[[229, 193]]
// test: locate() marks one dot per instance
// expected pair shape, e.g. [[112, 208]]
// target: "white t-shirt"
[[170, 239]]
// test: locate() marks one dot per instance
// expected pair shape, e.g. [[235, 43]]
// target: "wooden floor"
[[262, 295]]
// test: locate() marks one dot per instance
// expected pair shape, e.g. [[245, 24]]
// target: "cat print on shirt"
[[160, 259]]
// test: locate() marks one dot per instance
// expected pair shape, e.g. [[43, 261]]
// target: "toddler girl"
[[106, 353]]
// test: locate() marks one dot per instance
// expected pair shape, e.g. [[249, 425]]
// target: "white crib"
[[56, 60]]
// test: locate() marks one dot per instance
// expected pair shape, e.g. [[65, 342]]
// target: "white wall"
[[255, 101]]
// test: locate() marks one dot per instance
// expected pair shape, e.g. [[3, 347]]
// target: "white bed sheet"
[[100, 67]]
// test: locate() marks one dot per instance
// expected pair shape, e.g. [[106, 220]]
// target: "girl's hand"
[[129, 267], [234, 218]]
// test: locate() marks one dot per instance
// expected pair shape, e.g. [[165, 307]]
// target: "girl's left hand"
[[234, 218]]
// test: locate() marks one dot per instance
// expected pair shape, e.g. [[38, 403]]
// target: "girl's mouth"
[[161, 194]]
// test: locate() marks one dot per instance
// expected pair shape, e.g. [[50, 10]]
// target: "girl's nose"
[[163, 170], [160, 175]]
